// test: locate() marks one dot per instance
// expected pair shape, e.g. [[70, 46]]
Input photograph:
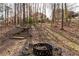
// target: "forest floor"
[[66, 39]]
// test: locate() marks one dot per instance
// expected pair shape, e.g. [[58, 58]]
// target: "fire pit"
[[42, 49]]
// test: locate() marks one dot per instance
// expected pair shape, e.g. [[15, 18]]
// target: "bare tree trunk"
[[15, 14], [35, 17], [54, 12], [23, 13], [41, 17], [5, 15], [33, 14], [20, 16], [58, 13], [62, 18], [45, 11], [37, 12], [66, 15]]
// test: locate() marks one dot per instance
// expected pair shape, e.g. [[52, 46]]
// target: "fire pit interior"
[[42, 49]]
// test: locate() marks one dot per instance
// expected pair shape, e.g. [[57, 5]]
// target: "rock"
[[25, 52], [30, 45], [57, 51], [26, 48]]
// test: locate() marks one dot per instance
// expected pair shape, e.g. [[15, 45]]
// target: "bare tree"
[[66, 12], [53, 7], [15, 13], [35, 17], [7, 15], [44, 12], [53, 19], [66, 15], [58, 11], [17, 7], [20, 13], [23, 13], [62, 17]]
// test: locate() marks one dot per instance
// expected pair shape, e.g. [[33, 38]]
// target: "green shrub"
[[30, 21]]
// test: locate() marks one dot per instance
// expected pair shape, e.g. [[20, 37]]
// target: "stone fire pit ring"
[[42, 49]]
